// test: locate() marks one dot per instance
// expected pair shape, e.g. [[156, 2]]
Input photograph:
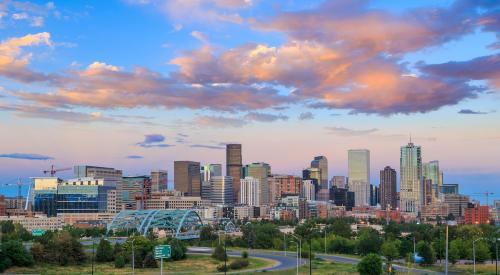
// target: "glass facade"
[[82, 198], [45, 202]]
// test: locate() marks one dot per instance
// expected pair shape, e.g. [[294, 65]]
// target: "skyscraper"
[[411, 193], [321, 163], [233, 167], [359, 175], [159, 180], [206, 173], [250, 191], [430, 171], [308, 190], [222, 190], [339, 181], [261, 171], [313, 174], [388, 188], [187, 178]]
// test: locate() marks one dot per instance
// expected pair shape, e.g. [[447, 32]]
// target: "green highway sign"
[[162, 251], [37, 232]]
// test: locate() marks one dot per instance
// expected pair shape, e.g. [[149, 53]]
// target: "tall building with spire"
[[234, 164], [359, 175], [411, 187], [321, 162]]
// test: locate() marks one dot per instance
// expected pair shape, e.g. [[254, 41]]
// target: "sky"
[[137, 84]]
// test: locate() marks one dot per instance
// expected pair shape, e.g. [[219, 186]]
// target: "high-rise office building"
[[430, 171], [84, 171], [159, 180], [342, 197], [261, 171], [449, 189], [321, 163], [222, 190], [313, 174], [374, 195], [428, 192], [388, 188], [83, 195], [132, 190], [206, 172], [210, 170], [359, 175], [187, 178], [288, 185], [339, 181], [234, 164], [411, 193], [250, 191], [308, 190]]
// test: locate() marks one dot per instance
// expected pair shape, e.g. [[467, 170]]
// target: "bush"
[[239, 264], [371, 264], [119, 261], [244, 254], [178, 249], [104, 252], [219, 253], [149, 261], [222, 268]]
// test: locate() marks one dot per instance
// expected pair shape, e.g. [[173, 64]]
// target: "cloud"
[[37, 112], [215, 147], [13, 64], [341, 131], [153, 140], [219, 121], [182, 135], [25, 156], [134, 157], [205, 11], [481, 68], [262, 117], [200, 36], [34, 14], [471, 112], [306, 116]]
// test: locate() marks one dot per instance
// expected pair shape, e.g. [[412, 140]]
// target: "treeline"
[[396, 241]]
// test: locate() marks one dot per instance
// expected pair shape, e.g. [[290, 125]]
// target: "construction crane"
[[19, 185], [485, 194], [53, 171]]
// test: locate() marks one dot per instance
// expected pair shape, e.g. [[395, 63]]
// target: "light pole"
[[93, 253], [299, 258], [284, 242], [133, 257], [297, 254], [474, 252], [325, 238], [446, 261]]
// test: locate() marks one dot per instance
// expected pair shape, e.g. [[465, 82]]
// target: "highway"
[[282, 262]]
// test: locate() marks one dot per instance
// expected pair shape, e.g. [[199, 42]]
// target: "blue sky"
[[85, 82]]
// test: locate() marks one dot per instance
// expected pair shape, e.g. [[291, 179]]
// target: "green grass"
[[194, 264], [319, 267]]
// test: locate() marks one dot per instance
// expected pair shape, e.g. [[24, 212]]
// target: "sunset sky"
[[137, 84]]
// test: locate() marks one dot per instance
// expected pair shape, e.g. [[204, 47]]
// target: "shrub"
[[371, 264], [222, 268], [119, 261], [219, 253], [239, 264], [244, 254]]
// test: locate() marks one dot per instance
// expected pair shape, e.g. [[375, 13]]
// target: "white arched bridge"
[[180, 224]]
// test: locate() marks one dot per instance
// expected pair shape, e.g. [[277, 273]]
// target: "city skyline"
[[81, 87]]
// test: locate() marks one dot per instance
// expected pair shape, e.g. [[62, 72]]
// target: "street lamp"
[[93, 253], [299, 250], [325, 237], [474, 252], [297, 253]]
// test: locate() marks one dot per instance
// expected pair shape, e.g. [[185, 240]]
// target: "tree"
[[119, 261], [149, 261], [340, 245], [17, 253], [453, 252], [104, 251], [219, 253], [482, 252], [371, 264], [390, 250], [369, 241], [178, 249], [117, 249], [392, 230], [38, 252], [207, 233], [341, 228], [244, 254], [426, 251]]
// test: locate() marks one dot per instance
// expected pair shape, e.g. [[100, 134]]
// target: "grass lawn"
[[194, 264], [486, 268], [319, 267]]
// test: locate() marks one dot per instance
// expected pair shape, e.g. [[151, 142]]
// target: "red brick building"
[[477, 214], [3, 206]]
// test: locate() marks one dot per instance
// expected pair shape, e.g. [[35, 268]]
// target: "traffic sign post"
[[162, 251]]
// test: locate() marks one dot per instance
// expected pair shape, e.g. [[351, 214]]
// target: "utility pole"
[[93, 253]]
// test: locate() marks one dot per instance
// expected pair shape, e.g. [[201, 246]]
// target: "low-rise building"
[[477, 214], [167, 201], [37, 222]]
